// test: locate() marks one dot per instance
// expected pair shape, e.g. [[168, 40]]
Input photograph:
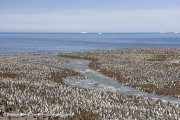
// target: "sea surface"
[[27, 42]]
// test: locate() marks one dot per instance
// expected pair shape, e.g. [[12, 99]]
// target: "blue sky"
[[89, 15]]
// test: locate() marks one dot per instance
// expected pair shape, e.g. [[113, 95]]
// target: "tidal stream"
[[98, 81]]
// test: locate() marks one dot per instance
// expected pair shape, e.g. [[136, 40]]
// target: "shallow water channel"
[[98, 81]]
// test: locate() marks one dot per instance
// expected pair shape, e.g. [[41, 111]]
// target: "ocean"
[[30, 42]]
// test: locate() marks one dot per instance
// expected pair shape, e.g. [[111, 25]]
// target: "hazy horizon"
[[67, 16], [83, 32]]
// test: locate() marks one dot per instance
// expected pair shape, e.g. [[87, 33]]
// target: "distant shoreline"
[[71, 51]]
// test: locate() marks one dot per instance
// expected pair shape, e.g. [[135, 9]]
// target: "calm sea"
[[26, 42]]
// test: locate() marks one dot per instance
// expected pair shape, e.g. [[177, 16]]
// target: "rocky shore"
[[30, 88]]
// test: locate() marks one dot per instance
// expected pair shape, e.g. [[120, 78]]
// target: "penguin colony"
[[27, 90], [151, 70]]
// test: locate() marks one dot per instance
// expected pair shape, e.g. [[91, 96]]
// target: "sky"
[[89, 15]]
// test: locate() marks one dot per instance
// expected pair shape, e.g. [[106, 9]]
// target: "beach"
[[34, 85], [89, 60]]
